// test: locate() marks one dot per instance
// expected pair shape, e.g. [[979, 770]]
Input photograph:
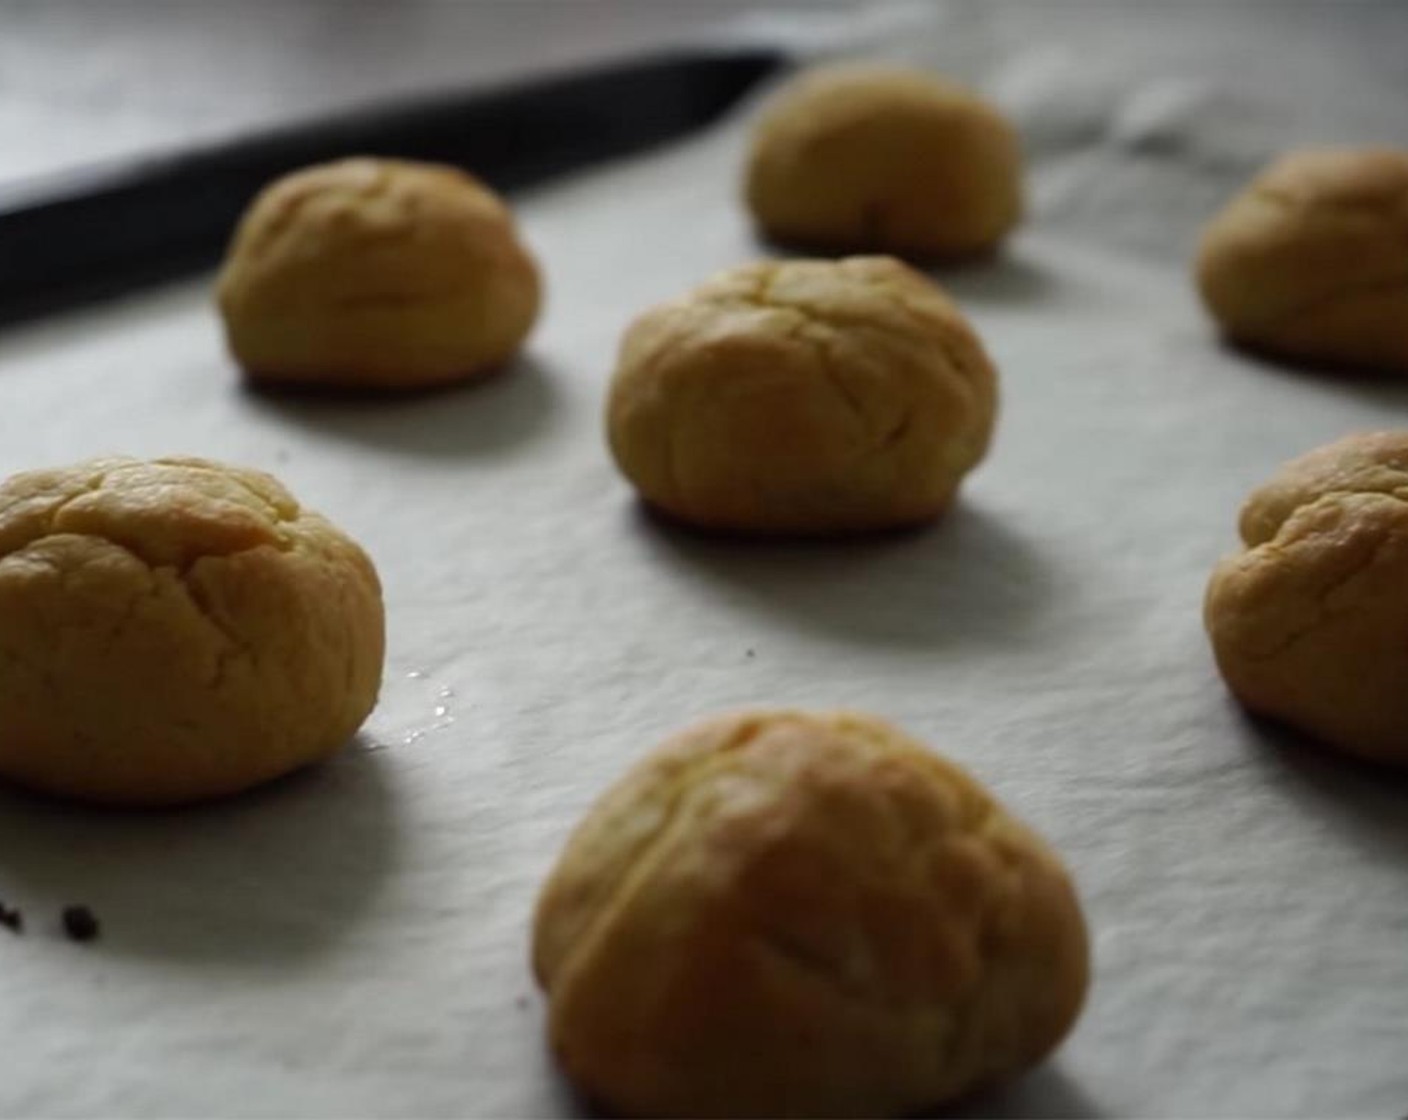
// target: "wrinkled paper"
[[354, 940]]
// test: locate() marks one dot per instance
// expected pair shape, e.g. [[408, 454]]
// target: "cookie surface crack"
[[646, 857]]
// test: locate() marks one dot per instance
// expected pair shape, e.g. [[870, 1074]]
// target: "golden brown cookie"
[[1310, 623], [371, 273], [175, 630], [1311, 260], [778, 913], [803, 397], [870, 158]]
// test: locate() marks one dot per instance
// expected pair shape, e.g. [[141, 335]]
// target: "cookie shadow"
[[489, 416], [1044, 1092], [1001, 274], [969, 578], [260, 881], [1004, 277], [1378, 387], [570, 1101], [1364, 802]]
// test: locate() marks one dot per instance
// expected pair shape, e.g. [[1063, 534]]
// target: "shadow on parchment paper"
[[488, 416], [1002, 275], [261, 880], [1365, 801], [1006, 277], [566, 1099], [1045, 1092], [969, 578], [1385, 390]]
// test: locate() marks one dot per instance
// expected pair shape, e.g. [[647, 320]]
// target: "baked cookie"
[[802, 397], [1311, 260], [881, 159], [372, 273], [175, 630], [778, 913], [1309, 624]]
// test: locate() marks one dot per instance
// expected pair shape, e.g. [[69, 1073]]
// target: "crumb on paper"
[[80, 924], [11, 917]]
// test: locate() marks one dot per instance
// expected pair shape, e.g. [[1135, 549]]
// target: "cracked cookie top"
[[802, 396], [169, 512], [786, 912], [376, 272], [358, 231], [1360, 464], [176, 629], [865, 158], [1308, 622], [1311, 259]]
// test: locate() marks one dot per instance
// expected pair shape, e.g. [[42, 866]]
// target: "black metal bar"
[[85, 234]]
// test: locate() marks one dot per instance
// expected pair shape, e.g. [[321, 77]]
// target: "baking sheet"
[[353, 941]]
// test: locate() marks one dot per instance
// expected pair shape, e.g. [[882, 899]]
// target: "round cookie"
[[1309, 624], [882, 159], [803, 397], [372, 273], [175, 630], [778, 913], [1310, 262]]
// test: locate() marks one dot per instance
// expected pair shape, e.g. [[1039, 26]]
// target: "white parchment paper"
[[353, 941]]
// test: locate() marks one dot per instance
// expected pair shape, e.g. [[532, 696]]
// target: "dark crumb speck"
[[80, 924], [750, 653], [521, 1003], [11, 918]]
